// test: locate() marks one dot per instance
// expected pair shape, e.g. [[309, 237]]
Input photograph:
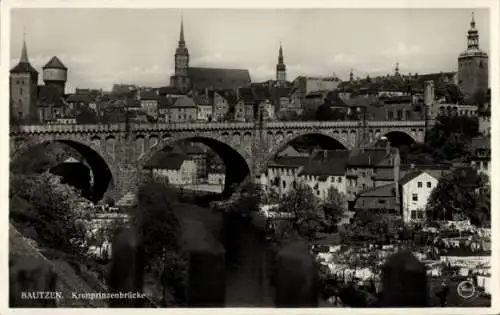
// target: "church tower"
[[23, 88], [280, 68], [472, 65], [180, 79]]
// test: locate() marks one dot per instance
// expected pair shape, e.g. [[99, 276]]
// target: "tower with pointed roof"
[[280, 67], [473, 65], [55, 74], [23, 88], [180, 79]]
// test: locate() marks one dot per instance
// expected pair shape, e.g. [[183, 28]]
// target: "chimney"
[[429, 93]]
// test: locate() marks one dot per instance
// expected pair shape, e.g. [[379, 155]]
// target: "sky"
[[101, 47]]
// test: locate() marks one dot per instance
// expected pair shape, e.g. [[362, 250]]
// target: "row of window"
[[420, 184], [399, 114]]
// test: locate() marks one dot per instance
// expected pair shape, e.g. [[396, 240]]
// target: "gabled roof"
[[215, 78], [412, 175], [55, 63], [186, 102]]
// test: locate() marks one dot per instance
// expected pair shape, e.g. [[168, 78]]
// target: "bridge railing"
[[76, 128]]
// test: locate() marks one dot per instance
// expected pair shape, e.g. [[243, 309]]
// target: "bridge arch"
[[99, 161], [401, 138], [237, 162], [325, 140]]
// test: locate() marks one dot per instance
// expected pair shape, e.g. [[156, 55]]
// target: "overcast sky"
[[105, 46]]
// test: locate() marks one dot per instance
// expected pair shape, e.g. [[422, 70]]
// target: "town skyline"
[[430, 41]]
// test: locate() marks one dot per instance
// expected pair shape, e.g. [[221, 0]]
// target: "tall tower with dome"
[[473, 65]]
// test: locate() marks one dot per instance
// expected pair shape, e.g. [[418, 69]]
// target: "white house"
[[416, 188], [177, 169]]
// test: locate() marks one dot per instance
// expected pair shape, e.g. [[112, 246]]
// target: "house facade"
[[416, 189]]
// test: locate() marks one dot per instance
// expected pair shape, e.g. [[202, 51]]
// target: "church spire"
[[24, 51], [280, 67], [280, 57], [182, 43]]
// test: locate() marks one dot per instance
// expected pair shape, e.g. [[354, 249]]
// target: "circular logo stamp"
[[466, 289]]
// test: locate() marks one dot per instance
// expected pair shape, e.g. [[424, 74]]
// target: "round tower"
[[55, 74], [473, 65]]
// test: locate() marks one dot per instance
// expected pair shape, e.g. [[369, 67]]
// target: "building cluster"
[[223, 94], [371, 179]]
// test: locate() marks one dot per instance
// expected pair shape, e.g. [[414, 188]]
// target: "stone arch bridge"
[[120, 152]]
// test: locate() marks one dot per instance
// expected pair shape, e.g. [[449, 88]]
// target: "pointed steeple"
[[182, 43], [24, 65], [396, 69], [280, 56], [24, 51], [351, 76], [280, 67]]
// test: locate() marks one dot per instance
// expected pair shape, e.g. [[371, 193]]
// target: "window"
[[339, 179], [413, 214], [400, 114], [332, 179], [429, 185], [21, 91], [381, 201], [419, 184], [317, 192], [414, 197], [390, 115], [284, 184], [420, 215]]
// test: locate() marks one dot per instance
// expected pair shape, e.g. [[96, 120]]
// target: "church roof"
[[23, 67], [55, 63], [215, 78]]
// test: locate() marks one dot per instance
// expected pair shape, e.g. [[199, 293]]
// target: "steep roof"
[[23, 67], [327, 163], [412, 175], [184, 102], [215, 78], [55, 63]]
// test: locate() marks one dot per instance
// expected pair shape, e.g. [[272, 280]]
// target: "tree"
[[334, 208], [453, 94], [462, 192], [373, 228], [301, 203], [160, 232], [53, 210], [155, 220]]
